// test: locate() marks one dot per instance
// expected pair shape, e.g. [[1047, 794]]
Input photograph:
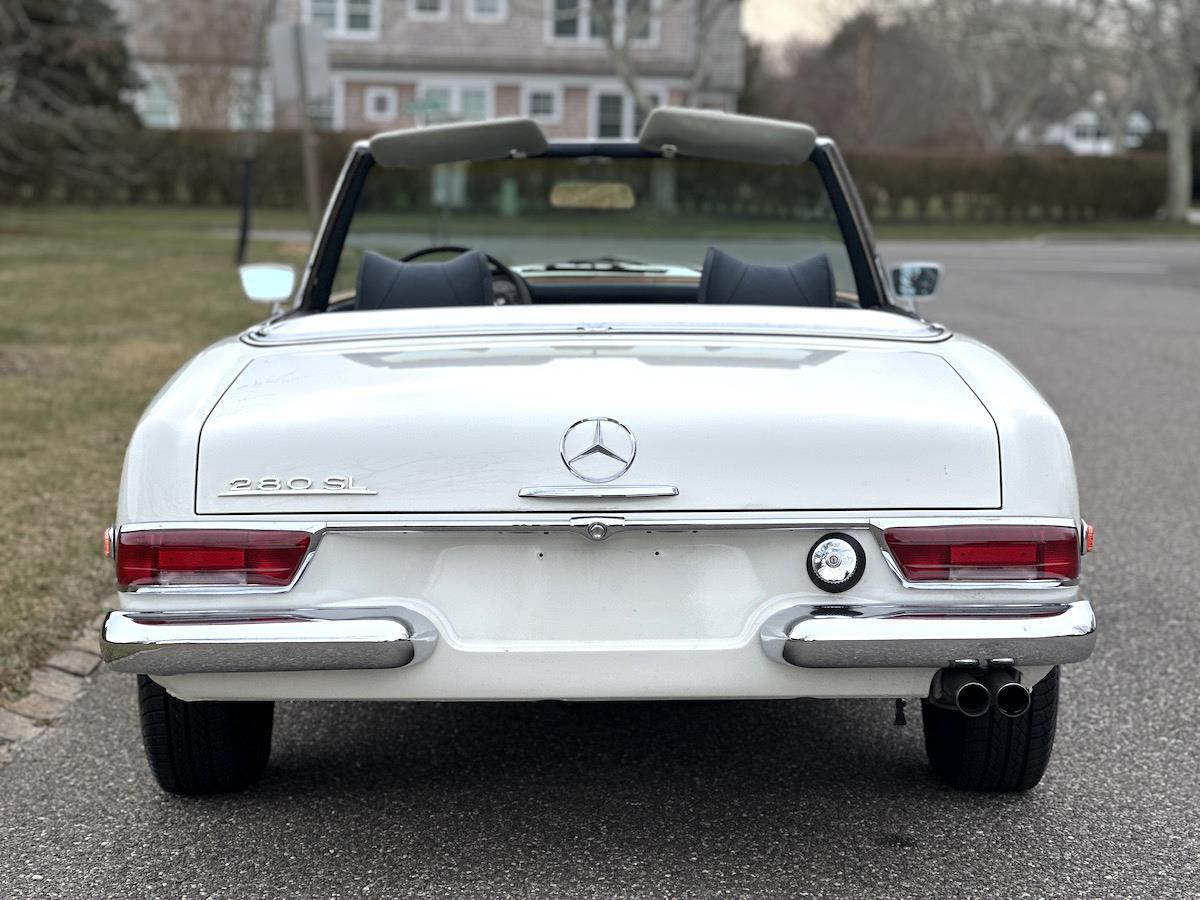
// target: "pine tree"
[[65, 78]]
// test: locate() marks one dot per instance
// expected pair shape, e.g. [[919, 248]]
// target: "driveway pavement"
[[802, 798]]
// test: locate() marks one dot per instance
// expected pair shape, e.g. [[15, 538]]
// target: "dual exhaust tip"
[[974, 693]]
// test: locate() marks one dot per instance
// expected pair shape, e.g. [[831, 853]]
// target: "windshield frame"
[[317, 281]]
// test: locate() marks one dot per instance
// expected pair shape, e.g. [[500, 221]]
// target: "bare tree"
[[1104, 72], [250, 99], [620, 24], [623, 25], [1106, 52], [213, 49], [1166, 35], [709, 18], [1003, 54], [876, 83]]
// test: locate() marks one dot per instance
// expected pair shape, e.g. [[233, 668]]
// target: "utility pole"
[[300, 64], [308, 148], [249, 138]]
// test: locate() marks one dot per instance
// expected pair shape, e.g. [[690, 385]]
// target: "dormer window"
[[586, 21], [345, 19], [487, 10], [566, 16], [429, 10]]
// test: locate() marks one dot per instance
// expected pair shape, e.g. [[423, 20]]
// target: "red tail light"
[[209, 557], [985, 552]]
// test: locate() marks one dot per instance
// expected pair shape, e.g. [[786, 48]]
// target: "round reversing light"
[[836, 562]]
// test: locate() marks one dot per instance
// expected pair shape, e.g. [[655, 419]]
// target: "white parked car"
[[661, 426]]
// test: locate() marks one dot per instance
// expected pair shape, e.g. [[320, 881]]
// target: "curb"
[[52, 688]]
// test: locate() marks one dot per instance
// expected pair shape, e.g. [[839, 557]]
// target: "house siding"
[[354, 111], [508, 100], [575, 114], [505, 59], [519, 43]]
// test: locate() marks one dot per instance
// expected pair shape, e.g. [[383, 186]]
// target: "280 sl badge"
[[294, 486]]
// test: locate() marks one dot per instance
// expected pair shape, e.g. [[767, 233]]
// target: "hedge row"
[[1012, 187], [191, 167], [203, 168]]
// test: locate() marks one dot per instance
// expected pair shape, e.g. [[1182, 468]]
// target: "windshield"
[[611, 229]]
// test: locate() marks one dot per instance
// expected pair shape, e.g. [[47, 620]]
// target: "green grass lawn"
[[97, 308]]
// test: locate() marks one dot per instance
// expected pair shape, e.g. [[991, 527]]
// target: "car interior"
[[474, 278]]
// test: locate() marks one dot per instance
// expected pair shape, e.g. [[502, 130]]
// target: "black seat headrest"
[[727, 279], [387, 284]]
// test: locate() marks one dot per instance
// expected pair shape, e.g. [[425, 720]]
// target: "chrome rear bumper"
[[823, 637], [149, 643], [867, 636]]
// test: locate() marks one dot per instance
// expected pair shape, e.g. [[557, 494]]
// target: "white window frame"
[[489, 103], [171, 113], [485, 18], [584, 35], [420, 15], [628, 107], [594, 113], [164, 79], [372, 93], [529, 88], [455, 87], [654, 35], [581, 37], [341, 15]]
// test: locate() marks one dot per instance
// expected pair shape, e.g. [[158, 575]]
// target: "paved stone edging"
[[52, 688]]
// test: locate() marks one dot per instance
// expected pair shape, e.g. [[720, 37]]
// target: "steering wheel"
[[518, 291]]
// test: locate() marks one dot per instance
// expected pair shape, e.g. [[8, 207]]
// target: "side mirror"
[[267, 282], [916, 280]]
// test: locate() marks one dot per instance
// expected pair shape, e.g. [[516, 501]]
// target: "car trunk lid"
[[733, 424]]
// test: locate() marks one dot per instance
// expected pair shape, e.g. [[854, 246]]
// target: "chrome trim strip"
[[598, 492], [930, 636], [654, 521], [178, 643], [261, 336], [311, 527]]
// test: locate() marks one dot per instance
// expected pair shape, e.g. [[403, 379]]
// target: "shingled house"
[[396, 63]]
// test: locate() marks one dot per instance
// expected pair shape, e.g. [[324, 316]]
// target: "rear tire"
[[993, 752], [203, 747]]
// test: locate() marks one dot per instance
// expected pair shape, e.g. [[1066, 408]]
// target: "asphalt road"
[[795, 798]]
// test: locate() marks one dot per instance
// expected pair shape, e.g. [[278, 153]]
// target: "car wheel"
[[993, 752], [203, 747]]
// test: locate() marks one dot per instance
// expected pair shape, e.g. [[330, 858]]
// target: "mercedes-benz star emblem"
[[598, 449]]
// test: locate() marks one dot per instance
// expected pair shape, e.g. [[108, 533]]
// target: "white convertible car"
[[647, 420]]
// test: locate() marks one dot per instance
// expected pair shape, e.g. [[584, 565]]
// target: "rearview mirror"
[[267, 282], [592, 195], [916, 280]]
